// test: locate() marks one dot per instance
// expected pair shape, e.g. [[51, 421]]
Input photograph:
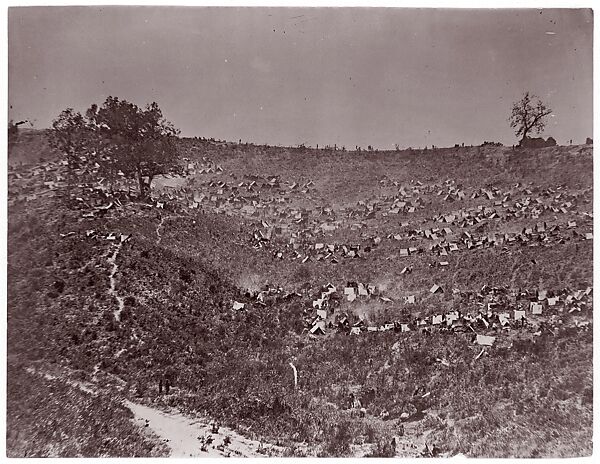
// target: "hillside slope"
[[213, 286]]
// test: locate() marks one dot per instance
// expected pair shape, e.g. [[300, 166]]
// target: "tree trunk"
[[141, 184], [149, 185]]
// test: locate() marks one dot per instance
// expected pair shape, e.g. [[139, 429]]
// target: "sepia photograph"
[[298, 232]]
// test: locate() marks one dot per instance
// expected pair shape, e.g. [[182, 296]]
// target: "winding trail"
[[81, 385], [182, 434], [160, 224], [113, 282]]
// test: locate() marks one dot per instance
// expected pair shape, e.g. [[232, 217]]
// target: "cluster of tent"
[[93, 234], [204, 167], [517, 208], [495, 310], [445, 241], [28, 183], [297, 233], [300, 233], [93, 195], [498, 309]]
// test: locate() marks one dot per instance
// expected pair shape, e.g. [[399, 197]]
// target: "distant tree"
[[13, 133], [528, 115], [139, 142]]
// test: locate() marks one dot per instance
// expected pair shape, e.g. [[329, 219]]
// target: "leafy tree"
[[528, 115], [70, 135], [118, 137], [139, 142]]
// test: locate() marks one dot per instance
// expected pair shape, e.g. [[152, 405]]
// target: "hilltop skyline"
[[345, 76]]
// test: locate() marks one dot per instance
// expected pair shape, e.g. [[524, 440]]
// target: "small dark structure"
[[537, 142], [487, 143]]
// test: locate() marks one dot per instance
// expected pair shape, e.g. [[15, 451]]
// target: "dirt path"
[[160, 224], [113, 282], [184, 435], [48, 376]]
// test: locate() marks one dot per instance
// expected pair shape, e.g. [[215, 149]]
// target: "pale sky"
[[350, 76]]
